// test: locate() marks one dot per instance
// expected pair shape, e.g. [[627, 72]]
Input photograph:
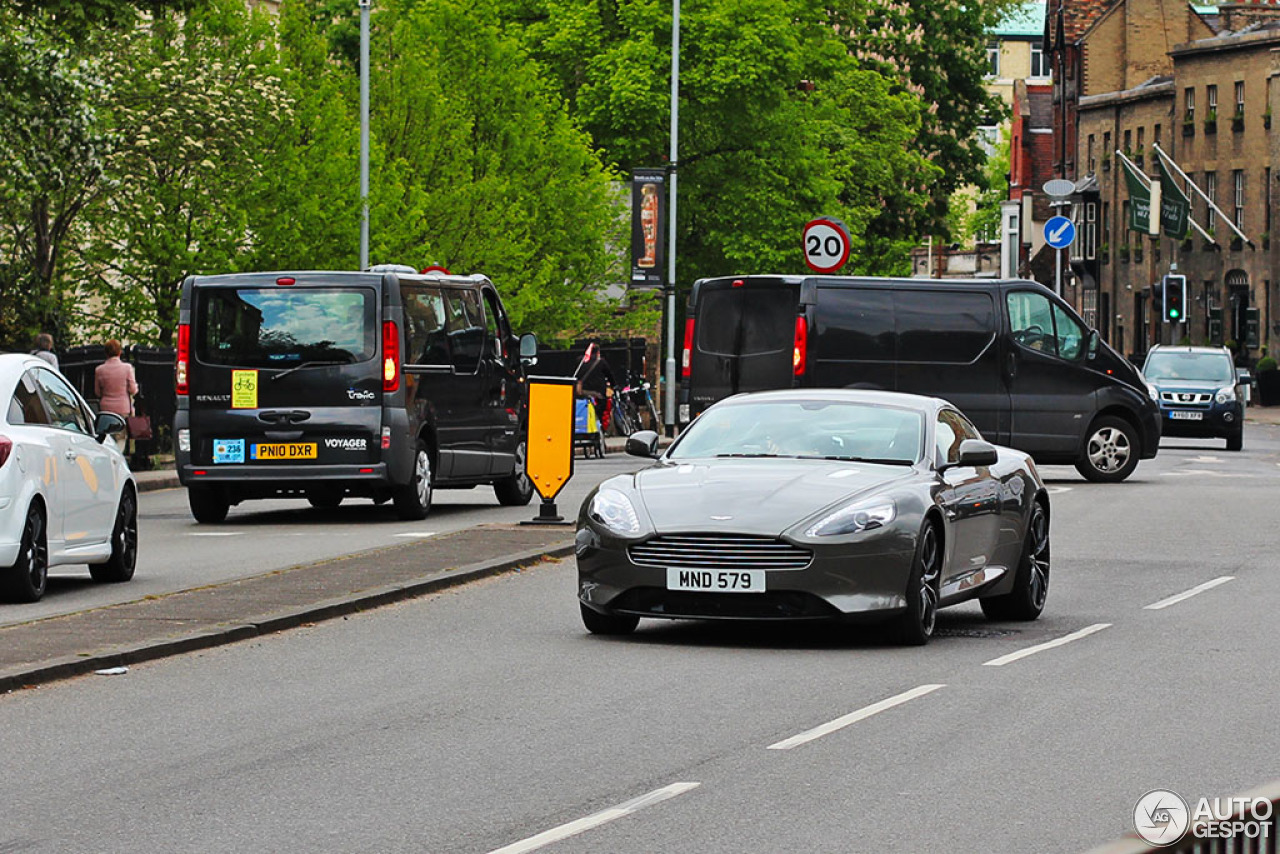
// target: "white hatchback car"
[[66, 493]]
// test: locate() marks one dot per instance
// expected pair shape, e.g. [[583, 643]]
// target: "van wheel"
[[324, 499], [413, 500], [516, 490], [1110, 451], [124, 544], [26, 580], [208, 504]]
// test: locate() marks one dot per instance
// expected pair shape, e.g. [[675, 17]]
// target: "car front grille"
[[720, 551], [1185, 398]]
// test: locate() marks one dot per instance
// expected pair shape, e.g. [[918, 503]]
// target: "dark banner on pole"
[[1139, 201], [1175, 207], [648, 224]]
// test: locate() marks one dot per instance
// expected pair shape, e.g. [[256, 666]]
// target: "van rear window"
[[278, 327], [747, 321]]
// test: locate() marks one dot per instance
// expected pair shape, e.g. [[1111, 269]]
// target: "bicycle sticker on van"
[[244, 389]]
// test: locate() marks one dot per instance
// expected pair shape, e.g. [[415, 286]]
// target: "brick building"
[[1195, 81]]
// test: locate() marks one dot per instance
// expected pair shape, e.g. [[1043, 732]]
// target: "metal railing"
[[1194, 842]]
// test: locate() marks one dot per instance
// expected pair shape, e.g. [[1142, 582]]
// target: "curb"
[[79, 665], [156, 480]]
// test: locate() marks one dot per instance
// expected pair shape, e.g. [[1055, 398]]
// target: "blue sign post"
[[1059, 233]]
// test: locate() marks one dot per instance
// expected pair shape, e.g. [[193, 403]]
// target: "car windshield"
[[805, 429], [1203, 367], [285, 327]]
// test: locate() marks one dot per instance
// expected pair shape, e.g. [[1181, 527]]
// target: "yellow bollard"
[[550, 443]]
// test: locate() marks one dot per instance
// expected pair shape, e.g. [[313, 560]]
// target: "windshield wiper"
[[315, 363], [755, 456]]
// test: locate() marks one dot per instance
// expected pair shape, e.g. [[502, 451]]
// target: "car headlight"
[[1226, 395], [1153, 392], [866, 516], [615, 512]]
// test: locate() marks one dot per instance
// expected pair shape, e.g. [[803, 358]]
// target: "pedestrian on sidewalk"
[[115, 384], [44, 349]]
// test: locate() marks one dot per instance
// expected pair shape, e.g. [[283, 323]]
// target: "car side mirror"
[[528, 349], [1243, 377], [975, 452], [643, 443], [107, 422], [1091, 346]]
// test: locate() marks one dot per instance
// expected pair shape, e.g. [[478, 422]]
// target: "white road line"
[[573, 828], [1187, 594], [1032, 650], [853, 717], [215, 533], [419, 534]]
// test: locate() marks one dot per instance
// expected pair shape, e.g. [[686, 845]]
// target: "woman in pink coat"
[[114, 383]]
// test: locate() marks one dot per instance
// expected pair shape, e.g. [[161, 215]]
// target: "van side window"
[[1031, 321], [424, 314], [943, 326], [464, 325], [1071, 336]]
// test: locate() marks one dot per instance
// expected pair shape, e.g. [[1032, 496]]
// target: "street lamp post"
[[364, 133], [670, 395]]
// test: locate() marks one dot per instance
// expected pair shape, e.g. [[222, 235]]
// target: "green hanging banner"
[[1139, 200], [1175, 207]]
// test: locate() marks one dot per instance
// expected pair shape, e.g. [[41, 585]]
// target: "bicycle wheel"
[[624, 417]]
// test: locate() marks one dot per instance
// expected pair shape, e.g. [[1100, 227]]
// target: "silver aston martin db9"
[[817, 504]]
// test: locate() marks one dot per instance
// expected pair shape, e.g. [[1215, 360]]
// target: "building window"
[[1091, 230], [1128, 143], [993, 59], [1240, 99], [1039, 64], [1106, 226], [1211, 187], [1189, 105], [1141, 152], [1266, 212], [1156, 135], [1106, 147], [1211, 102], [1091, 161], [1237, 178]]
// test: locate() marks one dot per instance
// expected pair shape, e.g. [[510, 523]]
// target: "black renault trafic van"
[[327, 385], [1012, 355]]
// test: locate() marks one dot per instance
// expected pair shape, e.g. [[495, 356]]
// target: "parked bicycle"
[[631, 404]]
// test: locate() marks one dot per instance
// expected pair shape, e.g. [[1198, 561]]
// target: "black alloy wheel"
[[916, 625], [124, 544], [27, 579], [1031, 584]]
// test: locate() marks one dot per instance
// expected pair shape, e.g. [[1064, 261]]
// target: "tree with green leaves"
[[196, 106]]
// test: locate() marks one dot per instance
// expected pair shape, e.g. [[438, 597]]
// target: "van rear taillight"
[[390, 356], [184, 358], [800, 355], [686, 356], [6, 448]]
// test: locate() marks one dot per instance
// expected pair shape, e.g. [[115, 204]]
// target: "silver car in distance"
[[817, 504]]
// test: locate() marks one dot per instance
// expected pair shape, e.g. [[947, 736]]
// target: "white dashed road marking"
[[853, 717], [1187, 594], [1053, 644], [573, 828]]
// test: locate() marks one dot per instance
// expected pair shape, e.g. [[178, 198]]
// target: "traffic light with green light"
[[1175, 298]]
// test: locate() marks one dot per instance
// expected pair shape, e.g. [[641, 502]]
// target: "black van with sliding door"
[[330, 385], [1011, 354]]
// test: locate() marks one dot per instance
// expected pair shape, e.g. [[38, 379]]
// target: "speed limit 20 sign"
[[826, 244]]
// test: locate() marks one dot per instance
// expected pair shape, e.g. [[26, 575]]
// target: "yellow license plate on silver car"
[[284, 451]]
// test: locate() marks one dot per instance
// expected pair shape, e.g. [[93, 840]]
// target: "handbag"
[[138, 426]]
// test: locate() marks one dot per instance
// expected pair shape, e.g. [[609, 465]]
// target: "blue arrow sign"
[[1059, 232]]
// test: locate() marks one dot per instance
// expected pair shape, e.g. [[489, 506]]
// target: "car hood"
[[1202, 386], [764, 496]]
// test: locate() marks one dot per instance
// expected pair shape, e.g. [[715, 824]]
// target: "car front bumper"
[[1215, 422], [866, 580]]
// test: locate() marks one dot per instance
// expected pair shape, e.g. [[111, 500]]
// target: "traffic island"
[[147, 629]]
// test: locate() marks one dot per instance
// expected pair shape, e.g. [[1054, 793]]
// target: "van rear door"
[[284, 373], [744, 338]]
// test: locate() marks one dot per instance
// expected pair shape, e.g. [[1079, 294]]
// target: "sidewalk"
[[1262, 415], [73, 644]]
